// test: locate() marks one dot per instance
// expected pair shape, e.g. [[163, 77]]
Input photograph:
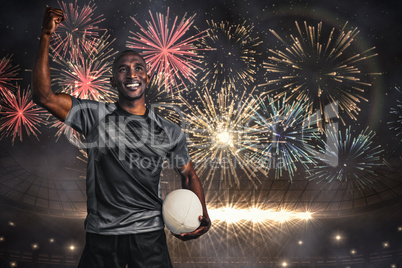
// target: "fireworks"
[[155, 94], [232, 61], [72, 135], [84, 157], [256, 215], [222, 138], [18, 113], [169, 55], [396, 125], [320, 72], [347, 159], [292, 134], [78, 30], [88, 77], [8, 74]]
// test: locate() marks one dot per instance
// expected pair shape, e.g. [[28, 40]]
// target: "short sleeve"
[[84, 114]]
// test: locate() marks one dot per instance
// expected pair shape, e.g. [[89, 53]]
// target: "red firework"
[[84, 74], [88, 76], [8, 74], [167, 55], [87, 79], [78, 29], [18, 112]]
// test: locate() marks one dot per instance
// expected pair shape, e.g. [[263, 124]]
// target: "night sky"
[[379, 26], [377, 22]]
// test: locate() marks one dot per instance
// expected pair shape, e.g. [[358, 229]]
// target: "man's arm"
[[190, 181], [57, 104]]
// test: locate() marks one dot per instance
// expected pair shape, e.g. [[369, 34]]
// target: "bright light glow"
[[305, 216], [35, 246], [1, 238], [300, 242], [51, 240], [385, 244], [284, 264], [72, 247], [13, 264], [256, 215], [338, 237], [223, 138], [353, 252], [12, 224]]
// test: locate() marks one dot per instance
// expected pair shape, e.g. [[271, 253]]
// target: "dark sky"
[[379, 23]]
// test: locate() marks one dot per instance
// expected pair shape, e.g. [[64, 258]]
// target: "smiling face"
[[130, 76]]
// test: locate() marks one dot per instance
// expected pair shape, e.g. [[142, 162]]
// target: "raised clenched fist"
[[51, 20]]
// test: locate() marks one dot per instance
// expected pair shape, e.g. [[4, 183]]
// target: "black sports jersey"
[[125, 157]]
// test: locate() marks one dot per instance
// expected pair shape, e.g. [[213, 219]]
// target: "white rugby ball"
[[181, 210]]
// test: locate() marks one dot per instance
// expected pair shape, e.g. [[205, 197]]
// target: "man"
[[126, 145]]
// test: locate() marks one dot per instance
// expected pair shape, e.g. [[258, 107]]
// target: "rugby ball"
[[180, 211]]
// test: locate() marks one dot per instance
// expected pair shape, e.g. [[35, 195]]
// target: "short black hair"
[[120, 54]]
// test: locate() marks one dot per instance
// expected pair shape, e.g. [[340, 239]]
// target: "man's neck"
[[136, 107]]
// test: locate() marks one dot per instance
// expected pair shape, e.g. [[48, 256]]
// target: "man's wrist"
[[44, 35]]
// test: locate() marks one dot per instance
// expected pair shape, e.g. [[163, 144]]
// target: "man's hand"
[[51, 20], [189, 180], [204, 227]]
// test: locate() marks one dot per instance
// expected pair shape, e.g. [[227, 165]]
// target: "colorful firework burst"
[[346, 158], [156, 94], [221, 136], [170, 56], [321, 72], [8, 74], [79, 29], [232, 62], [293, 132], [19, 113], [87, 75], [72, 135], [396, 125]]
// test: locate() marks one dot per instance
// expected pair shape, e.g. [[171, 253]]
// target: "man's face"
[[130, 76]]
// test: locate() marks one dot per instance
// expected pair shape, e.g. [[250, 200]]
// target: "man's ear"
[[112, 82]]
